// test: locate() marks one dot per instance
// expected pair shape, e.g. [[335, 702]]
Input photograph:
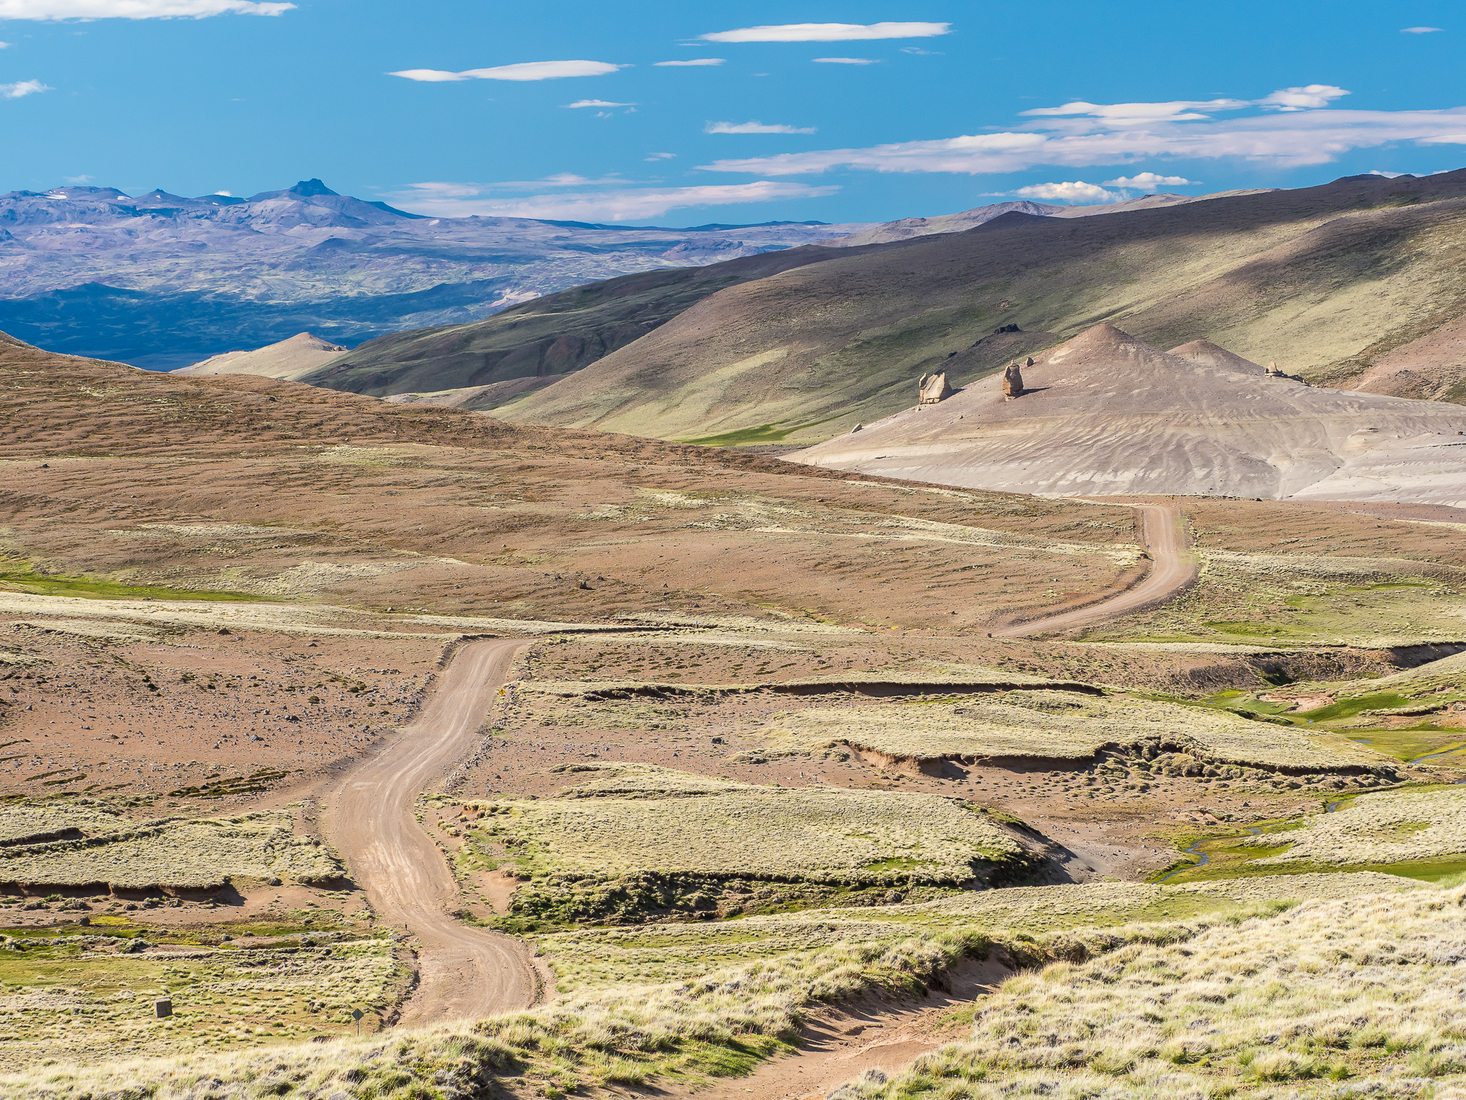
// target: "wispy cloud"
[[1148, 181], [632, 204], [597, 104], [1420, 30], [692, 63], [1297, 98], [846, 61], [526, 70], [755, 128], [660, 156], [1074, 191], [4, 45], [1281, 131], [49, 10], [22, 88], [1120, 114], [830, 32]]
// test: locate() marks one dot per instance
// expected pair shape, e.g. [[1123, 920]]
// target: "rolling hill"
[[1327, 281], [1107, 414], [290, 359], [534, 344]]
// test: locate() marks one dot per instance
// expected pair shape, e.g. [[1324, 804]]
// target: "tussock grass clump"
[[1038, 921], [1354, 997], [1388, 827], [723, 1014], [1065, 726], [88, 847], [84, 993], [673, 839]]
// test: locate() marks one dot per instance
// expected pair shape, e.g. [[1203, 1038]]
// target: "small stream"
[[1203, 858]]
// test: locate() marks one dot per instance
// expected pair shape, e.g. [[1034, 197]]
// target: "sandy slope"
[[1106, 414], [371, 820], [290, 359]]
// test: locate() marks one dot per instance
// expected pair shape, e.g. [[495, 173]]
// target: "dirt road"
[[1171, 571], [838, 1046], [370, 819]]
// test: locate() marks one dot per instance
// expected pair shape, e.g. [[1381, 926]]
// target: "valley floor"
[[616, 768]]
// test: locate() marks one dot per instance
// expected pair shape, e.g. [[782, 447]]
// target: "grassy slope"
[[548, 336], [1344, 998], [1321, 279]]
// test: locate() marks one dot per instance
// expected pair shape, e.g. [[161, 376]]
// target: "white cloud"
[[22, 88], [603, 104], [755, 128], [1420, 30], [691, 63], [449, 200], [526, 70], [1075, 191], [1148, 181], [78, 181], [661, 156], [4, 45], [830, 32], [136, 9], [1306, 97], [1288, 138], [846, 61]]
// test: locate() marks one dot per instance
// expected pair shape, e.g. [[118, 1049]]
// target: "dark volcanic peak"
[[305, 189]]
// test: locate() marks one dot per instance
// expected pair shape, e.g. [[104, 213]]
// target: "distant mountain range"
[[162, 280]]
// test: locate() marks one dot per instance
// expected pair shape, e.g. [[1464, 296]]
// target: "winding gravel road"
[[371, 821], [1171, 572]]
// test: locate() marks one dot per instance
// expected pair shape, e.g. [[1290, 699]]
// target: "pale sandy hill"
[[289, 360], [1206, 354], [1107, 414]]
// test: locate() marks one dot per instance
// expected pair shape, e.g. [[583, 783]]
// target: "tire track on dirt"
[[1171, 572], [371, 820]]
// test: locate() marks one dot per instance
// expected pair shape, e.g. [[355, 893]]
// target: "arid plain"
[[579, 763]]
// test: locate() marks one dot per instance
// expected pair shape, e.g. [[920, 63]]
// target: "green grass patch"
[[1359, 704], [746, 437], [27, 579]]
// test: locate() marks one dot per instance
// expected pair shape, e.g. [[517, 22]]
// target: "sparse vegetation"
[[60, 845], [1068, 726], [1352, 997], [648, 839], [83, 993]]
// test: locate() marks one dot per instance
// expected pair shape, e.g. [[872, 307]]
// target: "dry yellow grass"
[[1389, 827], [687, 1003], [84, 993], [1357, 997], [628, 821], [106, 851], [1064, 726]]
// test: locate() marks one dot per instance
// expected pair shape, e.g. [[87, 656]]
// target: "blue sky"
[[930, 107]]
